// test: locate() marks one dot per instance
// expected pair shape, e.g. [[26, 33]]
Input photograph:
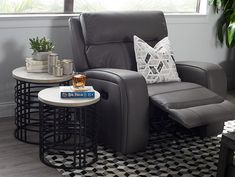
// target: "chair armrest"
[[123, 109], [209, 75]]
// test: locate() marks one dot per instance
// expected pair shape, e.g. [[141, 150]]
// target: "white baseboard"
[[7, 109]]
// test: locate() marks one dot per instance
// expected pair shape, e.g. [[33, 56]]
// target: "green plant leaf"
[[211, 2], [221, 24], [230, 34], [219, 3], [225, 24], [228, 4], [216, 5], [41, 45]]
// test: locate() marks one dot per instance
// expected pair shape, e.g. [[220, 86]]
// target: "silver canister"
[[57, 71], [67, 66], [53, 60]]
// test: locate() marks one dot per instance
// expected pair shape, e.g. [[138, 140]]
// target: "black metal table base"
[[226, 167], [68, 132], [27, 110]]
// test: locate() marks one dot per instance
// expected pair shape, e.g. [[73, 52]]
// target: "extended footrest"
[[193, 105], [204, 115]]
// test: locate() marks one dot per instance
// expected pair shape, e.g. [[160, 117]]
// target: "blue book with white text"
[[68, 92]]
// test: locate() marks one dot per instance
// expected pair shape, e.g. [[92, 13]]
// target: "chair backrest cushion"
[[108, 36]]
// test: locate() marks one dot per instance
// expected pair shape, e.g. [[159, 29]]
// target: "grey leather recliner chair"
[[103, 47]]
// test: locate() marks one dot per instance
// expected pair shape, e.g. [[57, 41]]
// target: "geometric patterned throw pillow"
[[155, 64]]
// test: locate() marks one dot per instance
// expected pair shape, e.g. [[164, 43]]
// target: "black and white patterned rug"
[[167, 155]]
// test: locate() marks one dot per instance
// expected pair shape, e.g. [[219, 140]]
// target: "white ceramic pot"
[[40, 55]]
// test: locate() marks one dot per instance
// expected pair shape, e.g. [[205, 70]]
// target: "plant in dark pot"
[[41, 47], [226, 22]]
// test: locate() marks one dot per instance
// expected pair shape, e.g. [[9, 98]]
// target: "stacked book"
[[36, 66], [70, 92]]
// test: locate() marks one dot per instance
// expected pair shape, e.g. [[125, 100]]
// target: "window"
[[109, 5], [31, 6], [76, 6]]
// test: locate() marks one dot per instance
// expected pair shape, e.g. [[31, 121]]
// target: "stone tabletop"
[[51, 96], [44, 78]]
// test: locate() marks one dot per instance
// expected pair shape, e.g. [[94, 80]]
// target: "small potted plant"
[[41, 48]]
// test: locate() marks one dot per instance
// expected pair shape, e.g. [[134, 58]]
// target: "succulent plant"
[[41, 45]]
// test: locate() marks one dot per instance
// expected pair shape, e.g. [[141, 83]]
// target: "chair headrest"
[[112, 27]]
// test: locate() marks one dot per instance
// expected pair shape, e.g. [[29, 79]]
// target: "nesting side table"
[[27, 105], [226, 167], [67, 129]]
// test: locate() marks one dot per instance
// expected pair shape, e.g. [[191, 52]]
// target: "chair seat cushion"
[[178, 95], [190, 104], [154, 89]]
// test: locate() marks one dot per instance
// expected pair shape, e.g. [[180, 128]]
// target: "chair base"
[[210, 130]]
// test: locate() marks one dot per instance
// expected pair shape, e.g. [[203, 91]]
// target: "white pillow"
[[155, 64]]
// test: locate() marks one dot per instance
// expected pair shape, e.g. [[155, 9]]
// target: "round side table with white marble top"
[[67, 129], [27, 105]]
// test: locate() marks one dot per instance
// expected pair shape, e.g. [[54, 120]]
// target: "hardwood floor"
[[19, 159]]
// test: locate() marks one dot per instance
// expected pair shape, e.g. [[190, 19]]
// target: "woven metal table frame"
[[226, 165], [27, 110], [70, 130]]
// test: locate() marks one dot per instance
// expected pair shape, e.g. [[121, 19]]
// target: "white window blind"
[[76, 6]]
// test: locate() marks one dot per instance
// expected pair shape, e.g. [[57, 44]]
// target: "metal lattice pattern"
[[69, 134], [27, 110]]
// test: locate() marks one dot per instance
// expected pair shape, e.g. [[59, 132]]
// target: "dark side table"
[[27, 105], [226, 166], [67, 130]]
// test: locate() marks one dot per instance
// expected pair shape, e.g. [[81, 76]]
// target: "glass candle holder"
[[79, 80]]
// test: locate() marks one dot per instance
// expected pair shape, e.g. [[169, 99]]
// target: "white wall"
[[192, 39]]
